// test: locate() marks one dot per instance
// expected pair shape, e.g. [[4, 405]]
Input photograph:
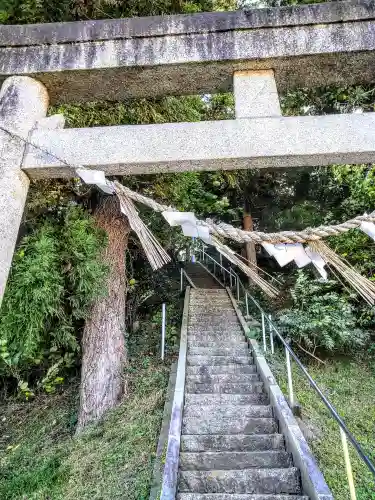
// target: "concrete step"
[[214, 424], [214, 325], [219, 399], [216, 335], [209, 378], [230, 460], [218, 343], [193, 360], [211, 304], [226, 388], [200, 314], [217, 369], [212, 301], [270, 481], [211, 340], [229, 411], [231, 496], [204, 312], [219, 351], [232, 442], [213, 319]]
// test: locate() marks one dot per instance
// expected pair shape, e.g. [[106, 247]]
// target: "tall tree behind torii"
[[104, 350]]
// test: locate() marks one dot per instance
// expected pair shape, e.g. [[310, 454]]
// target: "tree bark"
[[251, 255], [103, 344]]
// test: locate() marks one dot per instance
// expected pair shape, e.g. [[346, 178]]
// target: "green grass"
[[350, 386], [41, 459]]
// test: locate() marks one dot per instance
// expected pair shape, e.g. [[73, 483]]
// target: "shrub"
[[55, 275], [321, 318]]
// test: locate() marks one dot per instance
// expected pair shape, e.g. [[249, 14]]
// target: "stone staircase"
[[230, 445], [200, 277]]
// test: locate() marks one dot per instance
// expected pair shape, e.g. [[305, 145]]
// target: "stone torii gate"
[[254, 53]]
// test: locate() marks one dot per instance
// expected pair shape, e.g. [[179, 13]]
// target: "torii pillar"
[[23, 101]]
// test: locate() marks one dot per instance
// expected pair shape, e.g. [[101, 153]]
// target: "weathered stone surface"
[[211, 145], [305, 45], [223, 378], [232, 442], [255, 94], [219, 399], [241, 481], [214, 424], [209, 334], [111, 29], [216, 369], [240, 350], [228, 411], [169, 483], [228, 460], [223, 388], [227, 343], [23, 101], [218, 360], [231, 496]]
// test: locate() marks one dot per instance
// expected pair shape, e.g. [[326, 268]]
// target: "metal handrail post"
[[181, 279], [238, 289], [264, 333], [163, 320], [247, 305], [348, 465], [290, 380], [271, 334]]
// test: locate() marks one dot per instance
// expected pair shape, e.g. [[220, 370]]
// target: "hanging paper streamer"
[[189, 224], [285, 253], [300, 256], [368, 228], [281, 252], [204, 233], [179, 218], [95, 177], [318, 262]]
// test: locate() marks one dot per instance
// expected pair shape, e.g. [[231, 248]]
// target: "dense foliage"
[[56, 274], [321, 318]]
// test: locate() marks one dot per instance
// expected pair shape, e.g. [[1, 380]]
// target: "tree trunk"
[[103, 343], [251, 255]]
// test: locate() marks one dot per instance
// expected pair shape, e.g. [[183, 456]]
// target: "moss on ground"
[[350, 386], [41, 459]]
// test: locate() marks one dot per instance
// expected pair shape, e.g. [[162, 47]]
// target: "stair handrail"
[[344, 431]]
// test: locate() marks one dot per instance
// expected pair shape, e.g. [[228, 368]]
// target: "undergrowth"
[[41, 459], [350, 386]]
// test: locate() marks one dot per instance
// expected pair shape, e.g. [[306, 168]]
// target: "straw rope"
[[267, 288], [155, 253], [236, 234], [361, 285]]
